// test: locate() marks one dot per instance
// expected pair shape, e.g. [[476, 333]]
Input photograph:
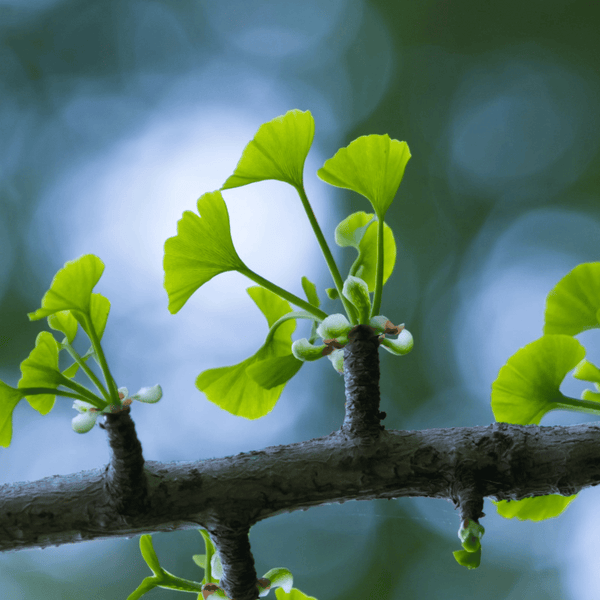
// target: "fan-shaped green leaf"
[[527, 386], [40, 369], [71, 288], [276, 371], [201, 249], [572, 305], [9, 398], [359, 231], [372, 165], [278, 151], [232, 388], [64, 321], [537, 508]]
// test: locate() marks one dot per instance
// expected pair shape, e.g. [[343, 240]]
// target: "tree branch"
[[504, 461]]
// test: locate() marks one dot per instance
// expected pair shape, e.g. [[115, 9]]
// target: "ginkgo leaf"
[[276, 371], [278, 151], [527, 386], [71, 288], [9, 398], [201, 249], [280, 577], [372, 165], [232, 388], [64, 321], [537, 508], [40, 370], [573, 305]]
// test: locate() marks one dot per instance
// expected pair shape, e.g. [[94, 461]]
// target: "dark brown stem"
[[125, 480], [361, 377], [239, 575]]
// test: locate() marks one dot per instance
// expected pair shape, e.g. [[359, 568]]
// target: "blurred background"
[[115, 116]]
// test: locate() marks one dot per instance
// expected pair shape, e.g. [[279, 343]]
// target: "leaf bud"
[[303, 350], [149, 395], [334, 327], [403, 344], [337, 360], [357, 291], [86, 419]]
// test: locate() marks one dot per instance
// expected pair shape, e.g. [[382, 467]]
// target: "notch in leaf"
[[371, 165], [277, 151], [201, 249]]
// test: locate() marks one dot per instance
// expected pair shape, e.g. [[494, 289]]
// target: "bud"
[[304, 350], [403, 344], [148, 394], [86, 419], [357, 291], [334, 327], [337, 360]]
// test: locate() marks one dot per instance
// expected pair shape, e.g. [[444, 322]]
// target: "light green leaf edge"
[[371, 165], [201, 249], [359, 231], [527, 386], [232, 388], [71, 288], [573, 305], [277, 151], [537, 508], [9, 398]]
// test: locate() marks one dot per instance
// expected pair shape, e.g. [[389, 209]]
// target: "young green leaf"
[[537, 508], [280, 577], [273, 372], [359, 231], [573, 305], [527, 386], [64, 321], [278, 151], [293, 594], [357, 292], [149, 554], [40, 370], [201, 249], [372, 165], [232, 388], [471, 560], [310, 289], [71, 288], [9, 398]]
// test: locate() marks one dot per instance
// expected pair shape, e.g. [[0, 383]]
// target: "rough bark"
[[361, 461]]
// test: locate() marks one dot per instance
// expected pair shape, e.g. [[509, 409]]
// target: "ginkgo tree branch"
[[506, 461]]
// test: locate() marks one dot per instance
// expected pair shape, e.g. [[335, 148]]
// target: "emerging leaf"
[[232, 388], [357, 291], [40, 369], [537, 508], [359, 231], [278, 151], [71, 288], [372, 165], [310, 289], [280, 577], [9, 398], [201, 249], [572, 305], [471, 560], [527, 386]]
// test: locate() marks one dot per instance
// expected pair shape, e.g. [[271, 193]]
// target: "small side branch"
[[239, 580], [361, 377], [125, 480]]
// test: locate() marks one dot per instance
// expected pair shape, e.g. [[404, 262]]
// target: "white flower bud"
[[148, 394], [84, 421]]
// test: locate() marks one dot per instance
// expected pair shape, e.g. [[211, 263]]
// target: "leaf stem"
[[110, 382], [379, 272], [313, 310], [333, 268], [89, 397], [577, 405], [91, 375]]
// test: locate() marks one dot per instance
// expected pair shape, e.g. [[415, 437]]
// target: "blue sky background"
[[116, 116]]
